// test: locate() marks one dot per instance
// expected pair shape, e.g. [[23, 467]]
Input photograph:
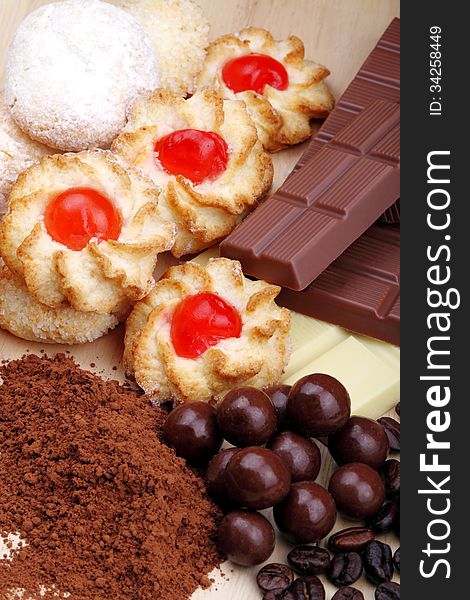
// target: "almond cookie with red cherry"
[[281, 89], [205, 330], [83, 231], [205, 155]]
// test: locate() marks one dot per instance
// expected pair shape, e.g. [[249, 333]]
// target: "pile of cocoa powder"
[[106, 509]]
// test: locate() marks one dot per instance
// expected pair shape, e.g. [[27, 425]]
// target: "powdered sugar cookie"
[[17, 152], [205, 155], [281, 89], [180, 34], [83, 231], [204, 330], [72, 70], [25, 317]]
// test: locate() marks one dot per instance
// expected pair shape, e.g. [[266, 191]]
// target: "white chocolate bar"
[[368, 368]]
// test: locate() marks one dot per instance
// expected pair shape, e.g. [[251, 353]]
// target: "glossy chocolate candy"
[[301, 456], [246, 538], [307, 514], [257, 478], [318, 405], [247, 417], [360, 440], [215, 477], [191, 429], [358, 490], [279, 395]]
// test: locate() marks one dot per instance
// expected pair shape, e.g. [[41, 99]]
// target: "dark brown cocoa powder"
[[106, 509]]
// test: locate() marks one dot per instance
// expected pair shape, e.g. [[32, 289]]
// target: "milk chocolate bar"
[[326, 205], [360, 290], [377, 79]]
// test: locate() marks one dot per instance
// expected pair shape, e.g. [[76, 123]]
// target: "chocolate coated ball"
[[215, 476], [307, 514], [192, 431], [360, 440], [279, 395], [318, 405], [301, 456], [246, 538], [358, 490], [257, 478], [247, 417]]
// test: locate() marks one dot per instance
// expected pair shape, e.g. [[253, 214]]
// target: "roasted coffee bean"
[[388, 591], [275, 576], [385, 518], [345, 568], [273, 595], [378, 563], [396, 558], [391, 476], [397, 409], [348, 593], [392, 429], [352, 539], [305, 588], [309, 560]]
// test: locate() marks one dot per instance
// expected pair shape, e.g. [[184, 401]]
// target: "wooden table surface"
[[337, 33]]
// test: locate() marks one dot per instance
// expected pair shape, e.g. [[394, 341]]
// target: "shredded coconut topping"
[[72, 70], [179, 32]]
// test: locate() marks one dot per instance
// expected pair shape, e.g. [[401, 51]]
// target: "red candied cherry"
[[78, 215], [254, 72], [203, 320], [196, 155]]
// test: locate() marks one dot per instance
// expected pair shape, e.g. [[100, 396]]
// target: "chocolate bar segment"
[[377, 79], [361, 290], [323, 207]]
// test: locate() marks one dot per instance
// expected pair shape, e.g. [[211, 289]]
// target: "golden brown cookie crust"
[[25, 317], [282, 117], [203, 214], [258, 357], [103, 276]]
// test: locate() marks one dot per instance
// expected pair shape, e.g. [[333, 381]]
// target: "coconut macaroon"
[[17, 152], [25, 317], [204, 330], [281, 89], [72, 69], [83, 231], [180, 34], [205, 155]]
